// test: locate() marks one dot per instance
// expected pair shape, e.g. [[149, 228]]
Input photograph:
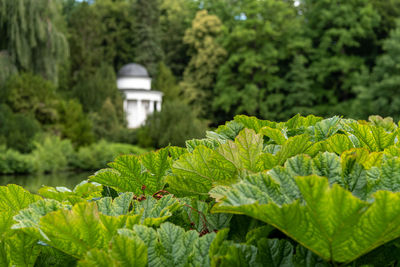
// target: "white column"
[[125, 105], [158, 106], [151, 106]]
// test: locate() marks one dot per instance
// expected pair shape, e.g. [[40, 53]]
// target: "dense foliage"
[[305, 192], [267, 58]]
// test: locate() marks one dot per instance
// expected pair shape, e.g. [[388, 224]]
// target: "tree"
[[173, 125], [166, 83], [262, 47], [7, 67], [148, 50], [176, 17], [74, 124], [380, 94], [94, 89], [207, 55], [106, 127], [344, 46], [118, 37], [17, 130], [389, 11], [32, 95], [32, 33]]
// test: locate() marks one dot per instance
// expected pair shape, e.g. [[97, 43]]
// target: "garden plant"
[[306, 192]]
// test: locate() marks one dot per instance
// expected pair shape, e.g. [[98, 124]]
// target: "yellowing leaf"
[[274, 134], [13, 198], [195, 173], [245, 152]]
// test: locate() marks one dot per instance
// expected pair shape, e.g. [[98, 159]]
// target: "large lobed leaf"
[[138, 174], [330, 221]]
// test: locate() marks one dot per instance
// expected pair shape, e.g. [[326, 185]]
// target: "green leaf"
[[98, 258], [129, 251], [170, 245], [338, 143], [119, 206], [154, 212], [198, 213], [300, 165], [14, 198], [328, 165], [306, 258], [332, 222], [389, 176], [325, 128], [254, 123], [88, 190], [157, 164], [256, 234], [4, 255], [201, 247], [175, 152], [22, 249], [60, 194], [195, 173], [245, 152], [210, 143], [128, 175], [124, 251], [275, 252], [6, 221], [74, 231], [28, 219], [293, 146], [225, 132], [372, 137], [275, 135]]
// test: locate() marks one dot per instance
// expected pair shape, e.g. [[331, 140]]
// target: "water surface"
[[33, 182]]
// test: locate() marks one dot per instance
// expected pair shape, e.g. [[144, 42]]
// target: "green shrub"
[[17, 130], [74, 124], [52, 154], [173, 125], [13, 162], [97, 155], [31, 94]]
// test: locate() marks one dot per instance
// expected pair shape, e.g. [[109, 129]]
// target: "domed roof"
[[133, 70]]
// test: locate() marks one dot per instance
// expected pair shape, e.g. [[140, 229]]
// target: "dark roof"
[[133, 70]]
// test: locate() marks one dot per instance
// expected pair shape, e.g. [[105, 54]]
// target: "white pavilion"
[[140, 101]]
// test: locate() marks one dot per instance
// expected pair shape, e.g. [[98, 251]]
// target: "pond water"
[[33, 182]]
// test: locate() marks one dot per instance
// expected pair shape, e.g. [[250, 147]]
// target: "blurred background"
[[61, 107]]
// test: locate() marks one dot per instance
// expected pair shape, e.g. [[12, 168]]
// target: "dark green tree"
[[17, 130], [389, 11], [101, 39], [176, 17], [166, 83], [262, 46], [380, 93], [94, 88], [344, 46], [148, 50], [119, 36], [32, 32], [32, 95]]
